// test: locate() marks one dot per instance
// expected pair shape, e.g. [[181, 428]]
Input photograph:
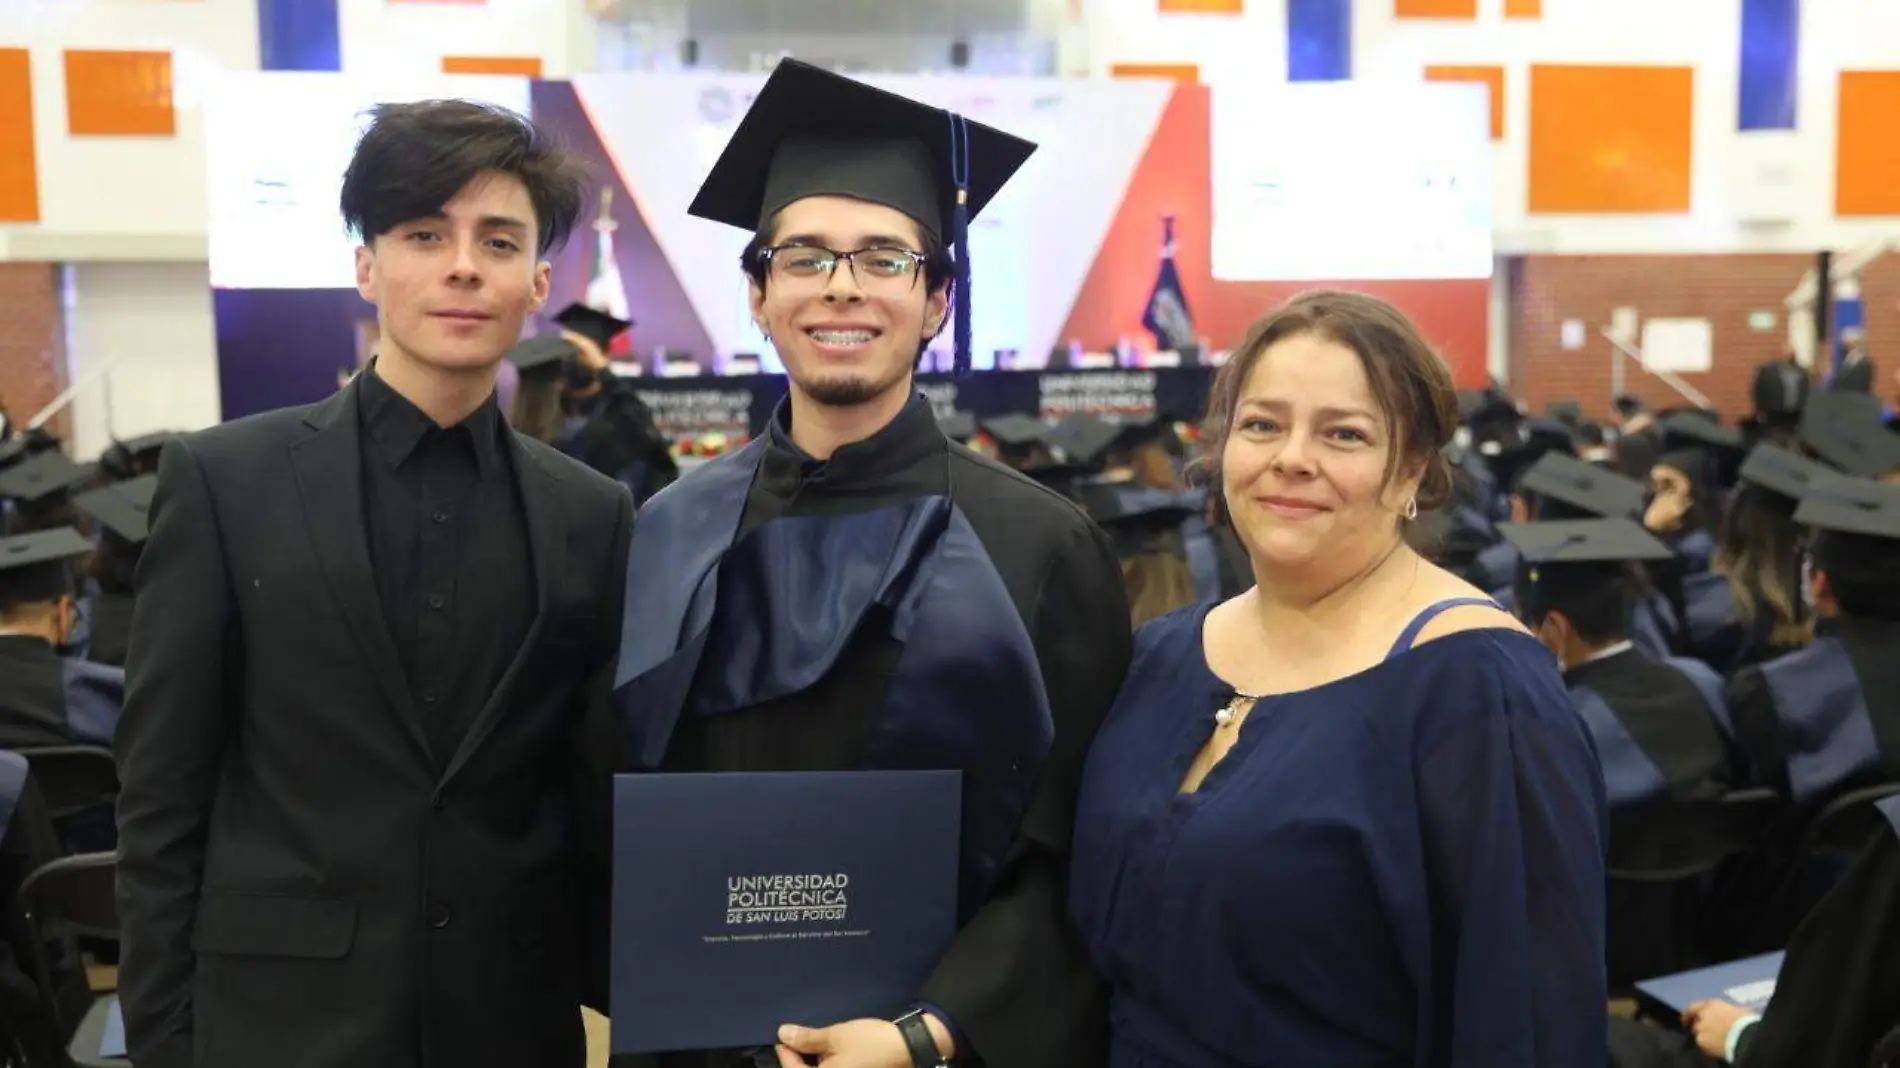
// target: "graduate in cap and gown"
[[1660, 726], [46, 698], [1519, 454], [1562, 487], [1826, 719], [120, 513], [977, 620], [1021, 443], [1750, 607], [569, 397], [1147, 527], [1836, 997], [126, 460]]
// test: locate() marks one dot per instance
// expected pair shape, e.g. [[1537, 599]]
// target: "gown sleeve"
[[1751, 707], [1513, 814], [1838, 987], [1017, 983]]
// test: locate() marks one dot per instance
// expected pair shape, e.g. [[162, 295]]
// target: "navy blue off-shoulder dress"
[[1399, 869]]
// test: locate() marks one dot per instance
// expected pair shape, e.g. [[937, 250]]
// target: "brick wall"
[[32, 351], [1722, 289]]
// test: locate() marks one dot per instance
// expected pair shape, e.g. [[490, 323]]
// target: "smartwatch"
[[923, 1047]]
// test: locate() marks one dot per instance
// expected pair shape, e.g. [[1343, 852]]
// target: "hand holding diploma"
[[855, 1044]]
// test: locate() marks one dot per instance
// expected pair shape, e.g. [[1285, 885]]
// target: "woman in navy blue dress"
[[1349, 817]]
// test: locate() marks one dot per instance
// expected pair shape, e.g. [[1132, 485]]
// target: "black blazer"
[[300, 883]]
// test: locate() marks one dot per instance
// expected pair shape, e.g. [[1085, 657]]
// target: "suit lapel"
[[330, 482], [542, 506]]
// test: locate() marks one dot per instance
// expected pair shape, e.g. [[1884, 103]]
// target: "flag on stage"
[[1167, 316], [605, 290]]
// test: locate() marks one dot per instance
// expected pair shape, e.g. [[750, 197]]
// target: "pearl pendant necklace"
[[1225, 716]]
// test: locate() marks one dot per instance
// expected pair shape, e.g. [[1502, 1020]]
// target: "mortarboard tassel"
[[960, 240]]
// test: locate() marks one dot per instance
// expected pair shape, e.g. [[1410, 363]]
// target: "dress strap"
[[1431, 612]]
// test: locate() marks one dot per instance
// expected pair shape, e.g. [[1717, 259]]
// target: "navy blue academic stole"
[[713, 626]]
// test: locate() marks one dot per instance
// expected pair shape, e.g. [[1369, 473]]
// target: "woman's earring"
[[1411, 509]]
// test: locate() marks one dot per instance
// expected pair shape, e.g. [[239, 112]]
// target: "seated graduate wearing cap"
[[47, 699], [1836, 996], [1683, 507], [1146, 526], [1750, 607], [1826, 719], [977, 620], [571, 398], [121, 513], [1560, 487], [1660, 725], [1519, 453]]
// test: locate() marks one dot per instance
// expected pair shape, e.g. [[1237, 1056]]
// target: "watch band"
[[923, 1047]]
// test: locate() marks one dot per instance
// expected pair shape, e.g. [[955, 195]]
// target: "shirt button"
[[428, 697], [436, 600], [440, 517], [438, 914]]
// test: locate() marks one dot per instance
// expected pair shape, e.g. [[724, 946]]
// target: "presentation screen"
[[1347, 180], [276, 146]]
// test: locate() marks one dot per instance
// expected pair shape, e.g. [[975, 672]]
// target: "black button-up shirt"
[[450, 551]]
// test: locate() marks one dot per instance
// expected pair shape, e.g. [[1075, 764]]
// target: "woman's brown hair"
[[537, 411], [1411, 386]]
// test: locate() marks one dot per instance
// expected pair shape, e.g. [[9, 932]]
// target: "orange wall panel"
[[1435, 9], [1611, 139], [122, 93], [1180, 72], [1491, 76], [1867, 145], [1523, 9], [19, 170], [521, 66], [1201, 7]]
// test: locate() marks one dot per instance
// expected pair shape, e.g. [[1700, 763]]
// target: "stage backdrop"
[[1069, 253]]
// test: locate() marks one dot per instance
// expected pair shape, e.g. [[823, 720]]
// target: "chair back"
[[1845, 826], [74, 778]]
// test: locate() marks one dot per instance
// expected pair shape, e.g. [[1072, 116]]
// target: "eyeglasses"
[[886, 270]]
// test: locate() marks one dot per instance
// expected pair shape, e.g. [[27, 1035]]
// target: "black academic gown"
[[1838, 991], [49, 700], [617, 438], [109, 620], [1824, 719], [1015, 982], [1662, 734]]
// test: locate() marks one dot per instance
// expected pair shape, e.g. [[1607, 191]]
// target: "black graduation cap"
[[1584, 541], [814, 133], [1695, 429], [146, 447], [958, 426], [30, 443], [591, 323], [544, 353], [1585, 487], [1155, 431], [1084, 439], [1853, 506], [45, 474], [34, 567], [1537, 438], [122, 508], [1846, 430], [1786, 473], [1485, 406], [1016, 430], [1565, 411], [1135, 517]]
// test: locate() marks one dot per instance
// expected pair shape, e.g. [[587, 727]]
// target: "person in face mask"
[[46, 698], [1660, 724]]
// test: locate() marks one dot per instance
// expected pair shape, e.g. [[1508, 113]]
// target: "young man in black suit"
[[370, 633]]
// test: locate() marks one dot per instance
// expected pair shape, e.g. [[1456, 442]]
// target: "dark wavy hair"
[[414, 158], [1411, 386]]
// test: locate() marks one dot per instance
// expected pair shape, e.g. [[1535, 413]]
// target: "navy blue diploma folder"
[[1748, 983], [745, 901]]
